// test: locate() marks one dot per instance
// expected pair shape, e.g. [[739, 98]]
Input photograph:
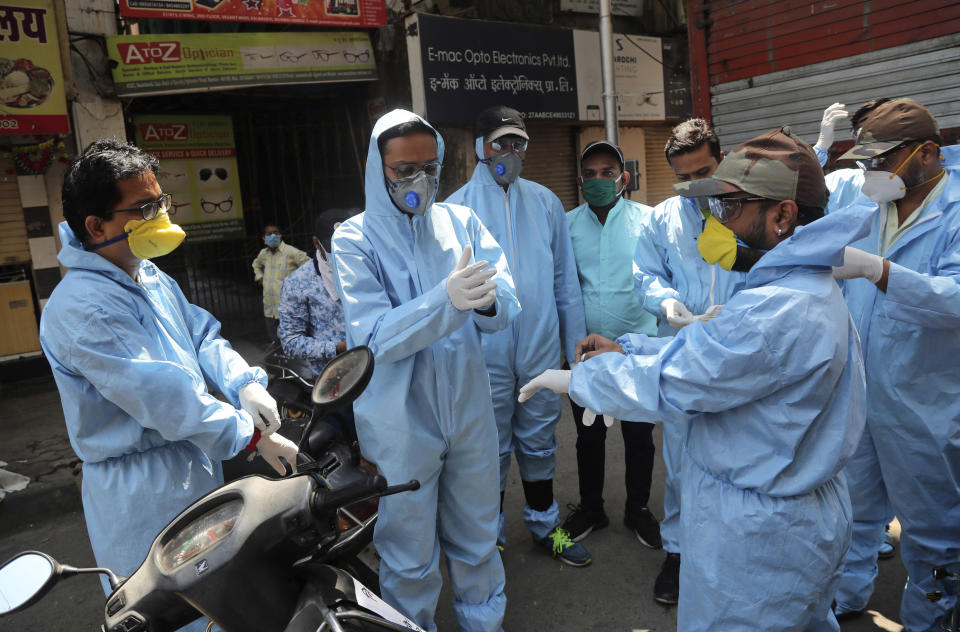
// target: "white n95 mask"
[[883, 186]]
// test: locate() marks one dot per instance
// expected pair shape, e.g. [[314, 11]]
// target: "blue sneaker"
[[559, 542]]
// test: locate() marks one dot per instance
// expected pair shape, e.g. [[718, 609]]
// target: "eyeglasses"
[[406, 170], [728, 208], [206, 173], [324, 55], [151, 209], [224, 206], [356, 58], [502, 145], [290, 57], [880, 162]]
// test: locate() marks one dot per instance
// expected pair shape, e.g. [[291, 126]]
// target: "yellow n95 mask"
[[149, 238], [717, 244]]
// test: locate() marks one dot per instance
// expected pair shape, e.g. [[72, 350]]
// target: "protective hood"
[[378, 200], [73, 255], [819, 243]]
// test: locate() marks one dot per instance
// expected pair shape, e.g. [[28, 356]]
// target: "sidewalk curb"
[[39, 502]]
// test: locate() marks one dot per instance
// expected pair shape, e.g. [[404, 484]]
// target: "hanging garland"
[[33, 160]]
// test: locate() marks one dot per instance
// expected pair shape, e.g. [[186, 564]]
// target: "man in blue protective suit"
[[771, 392], [412, 293], [604, 234], [135, 362], [903, 290], [528, 220], [672, 278]]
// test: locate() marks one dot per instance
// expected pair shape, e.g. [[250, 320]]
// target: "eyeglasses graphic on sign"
[[290, 57], [356, 58], [175, 207], [256, 56], [206, 173], [324, 55], [223, 206]]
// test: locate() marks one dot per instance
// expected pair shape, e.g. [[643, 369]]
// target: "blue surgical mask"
[[273, 241]]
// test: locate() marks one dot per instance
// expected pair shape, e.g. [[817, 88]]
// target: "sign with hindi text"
[[347, 13], [32, 95]]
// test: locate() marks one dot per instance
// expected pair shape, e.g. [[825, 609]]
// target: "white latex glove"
[[678, 316], [857, 263], [556, 380], [712, 311], [471, 286], [257, 402], [271, 447], [589, 417], [830, 117]]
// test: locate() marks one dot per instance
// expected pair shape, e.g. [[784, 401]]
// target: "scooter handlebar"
[[374, 486]]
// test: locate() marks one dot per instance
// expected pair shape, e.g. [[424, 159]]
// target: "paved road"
[[612, 594]]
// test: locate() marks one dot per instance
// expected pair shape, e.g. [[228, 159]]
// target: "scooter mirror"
[[24, 578], [344, 378]]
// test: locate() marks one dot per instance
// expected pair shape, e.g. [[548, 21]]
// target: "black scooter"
[[257, 555]]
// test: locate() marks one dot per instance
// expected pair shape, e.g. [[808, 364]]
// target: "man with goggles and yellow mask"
[[135, 362], [902, 285], [770, 392]]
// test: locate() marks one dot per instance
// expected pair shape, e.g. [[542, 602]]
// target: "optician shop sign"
[[459, 67], [347, 13], [168, 64], [198, 166], [32, 95]]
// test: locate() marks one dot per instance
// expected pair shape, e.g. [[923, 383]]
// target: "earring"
[[779, 231]]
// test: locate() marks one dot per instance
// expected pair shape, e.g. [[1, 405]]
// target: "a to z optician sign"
[[198, 167], [168, 64], [348, 13], [459, 67], [32, 97]]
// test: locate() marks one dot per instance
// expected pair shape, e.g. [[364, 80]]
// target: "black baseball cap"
[[602, 146], [499, 120]]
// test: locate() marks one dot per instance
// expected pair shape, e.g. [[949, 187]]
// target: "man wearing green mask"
[[604, 233]]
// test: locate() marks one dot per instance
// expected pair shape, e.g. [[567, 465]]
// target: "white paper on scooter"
[[366, 598]]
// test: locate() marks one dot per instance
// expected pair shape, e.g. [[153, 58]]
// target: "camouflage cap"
[[776, 165], [890, 124]]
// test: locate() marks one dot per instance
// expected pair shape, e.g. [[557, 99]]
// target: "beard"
[[756, 240]]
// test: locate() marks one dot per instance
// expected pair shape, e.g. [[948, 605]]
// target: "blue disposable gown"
[[134, 363], [426, 414], [666, 265], [772, 394], [528, 221], [911, 340]]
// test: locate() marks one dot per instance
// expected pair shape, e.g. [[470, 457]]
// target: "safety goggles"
[[151, 209], [406, 170], [502, 144], [728, 208]]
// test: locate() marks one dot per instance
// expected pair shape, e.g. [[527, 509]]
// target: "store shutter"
[[552, 160], [13, 230], [660, 178]]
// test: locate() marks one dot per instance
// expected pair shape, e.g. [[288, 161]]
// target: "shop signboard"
[[347, 13], [459, 67], [32, 95], [198, 166], [632, 8], [199, 62]]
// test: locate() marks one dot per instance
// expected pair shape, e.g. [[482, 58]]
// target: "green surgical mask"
[[600, 192]]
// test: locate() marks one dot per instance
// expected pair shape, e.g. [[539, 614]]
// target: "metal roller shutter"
[[13, 230], [927, 71], [660, 178], [552, 160]]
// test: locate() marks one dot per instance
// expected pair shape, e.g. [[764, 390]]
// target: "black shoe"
[[666, 588], [645, 527], [581, 522]]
